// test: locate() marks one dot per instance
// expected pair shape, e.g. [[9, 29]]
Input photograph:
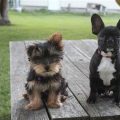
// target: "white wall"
[[34, 2], [54, 5], [74, 3], [110, 4]]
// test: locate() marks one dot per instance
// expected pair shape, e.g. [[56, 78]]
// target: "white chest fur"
[[106, 70]]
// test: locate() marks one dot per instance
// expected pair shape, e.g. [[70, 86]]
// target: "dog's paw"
[[116, 102], [54, 105], [32, 107], [28, 107], [91, 100], [59, 104], [63, 98]]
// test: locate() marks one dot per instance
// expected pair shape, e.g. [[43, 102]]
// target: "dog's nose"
[[46, 67], [110, 43]]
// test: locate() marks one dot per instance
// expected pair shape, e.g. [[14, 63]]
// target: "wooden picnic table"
[[76, 71]]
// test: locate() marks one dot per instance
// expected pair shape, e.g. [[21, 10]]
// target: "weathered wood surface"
[[78, 55], [76, 71], [18, 72]]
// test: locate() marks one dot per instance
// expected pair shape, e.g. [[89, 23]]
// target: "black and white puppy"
[[45, 81], [105, 63]]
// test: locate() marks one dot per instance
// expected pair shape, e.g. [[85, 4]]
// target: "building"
[[69, 5]]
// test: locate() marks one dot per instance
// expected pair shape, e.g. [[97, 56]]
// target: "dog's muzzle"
[[108, 54]]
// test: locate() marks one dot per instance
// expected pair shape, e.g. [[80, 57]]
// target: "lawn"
[[38, 25]]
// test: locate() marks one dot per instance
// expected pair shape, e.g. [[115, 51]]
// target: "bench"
[[75, 70]]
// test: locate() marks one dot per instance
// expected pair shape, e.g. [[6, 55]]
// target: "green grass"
[[38, 25]]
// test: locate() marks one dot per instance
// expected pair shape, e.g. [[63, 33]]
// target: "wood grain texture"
[[76, 71], [18, 73], [104, 108], [71, 110]]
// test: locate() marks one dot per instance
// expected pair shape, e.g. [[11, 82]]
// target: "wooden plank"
[[78, 82], [18, 72], [71, 109], [85, 47], [104, 109], [77, 57]]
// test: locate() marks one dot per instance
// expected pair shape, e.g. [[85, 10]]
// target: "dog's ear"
[[33, 50], [118, 25], [56, 39], [97, 24]]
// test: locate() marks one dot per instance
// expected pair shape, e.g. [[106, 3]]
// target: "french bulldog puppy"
[[105, 63]]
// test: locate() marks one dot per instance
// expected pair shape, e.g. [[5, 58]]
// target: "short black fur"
[[108, 41]]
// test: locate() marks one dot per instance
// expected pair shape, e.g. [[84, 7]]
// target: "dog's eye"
[[56, 60], [37, 57], [101, 38], [117, 38]]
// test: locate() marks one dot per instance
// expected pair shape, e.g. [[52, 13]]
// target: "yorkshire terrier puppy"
[[44, 79]]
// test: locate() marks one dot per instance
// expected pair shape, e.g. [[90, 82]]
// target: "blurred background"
[[105, 6]]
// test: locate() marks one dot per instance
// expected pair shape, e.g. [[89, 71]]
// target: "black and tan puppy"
[[105, 63], [45, 79]]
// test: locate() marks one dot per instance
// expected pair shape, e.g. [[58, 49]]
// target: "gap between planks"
[[105, 111], [18, 72]]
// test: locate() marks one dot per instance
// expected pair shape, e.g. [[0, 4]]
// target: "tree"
[[4, 12], [118, 2]]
